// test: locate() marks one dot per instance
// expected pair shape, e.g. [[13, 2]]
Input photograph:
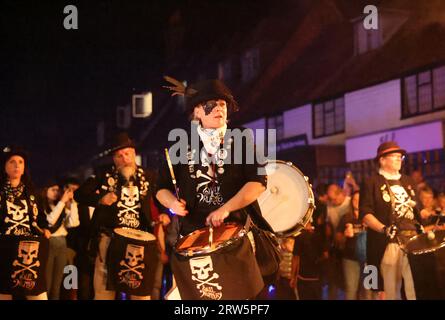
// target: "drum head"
[[288, 202], [197, 242], [135, 234], [421, 244]]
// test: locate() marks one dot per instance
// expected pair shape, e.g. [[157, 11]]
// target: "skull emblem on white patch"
[[201, 267], [28, 251], [204, 276], [130, 195], [17, 213], [402, 202], [134, 255]]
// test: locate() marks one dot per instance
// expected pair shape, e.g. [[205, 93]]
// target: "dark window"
[[366, 40], [329, 117], [250, 64], [277, 124], [424, 92]]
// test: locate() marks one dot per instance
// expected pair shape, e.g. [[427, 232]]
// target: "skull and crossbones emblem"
[[16, 216], [202, 272], [133, 261], [402, 202], [129, 206], [28, 252], [130, 196]]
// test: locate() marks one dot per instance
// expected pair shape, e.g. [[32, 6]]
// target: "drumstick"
[[172, 173], [34, 224]]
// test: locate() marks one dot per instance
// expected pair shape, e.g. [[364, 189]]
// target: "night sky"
[[56, 83]]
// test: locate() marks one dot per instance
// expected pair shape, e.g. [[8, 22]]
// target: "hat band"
[[391, 150]]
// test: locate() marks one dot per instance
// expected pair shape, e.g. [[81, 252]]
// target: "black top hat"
[[203, 91], [209, 90], [12, 150], [120, 141], [6, 154], [388, 147]]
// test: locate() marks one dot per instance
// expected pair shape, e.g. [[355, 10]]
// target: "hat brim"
[[113, 150], [5, 156], [389, 151]]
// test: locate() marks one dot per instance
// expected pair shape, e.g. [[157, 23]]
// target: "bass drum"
[[288, 203]]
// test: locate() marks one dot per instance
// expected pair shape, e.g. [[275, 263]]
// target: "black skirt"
[[230, 273], [23, 265], [132, 265]]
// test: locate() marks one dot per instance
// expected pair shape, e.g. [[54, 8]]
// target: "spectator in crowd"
[[308, 253], [352, 238], [429, 212], [419, 180], [338, 206], [61, 214]]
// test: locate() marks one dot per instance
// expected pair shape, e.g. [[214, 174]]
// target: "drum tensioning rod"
[[211, 235]]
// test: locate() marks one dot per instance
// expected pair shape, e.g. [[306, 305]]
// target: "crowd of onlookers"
[[327, 260]]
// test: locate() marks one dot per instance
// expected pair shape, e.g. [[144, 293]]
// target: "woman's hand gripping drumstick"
[[248, 194], [175, 204]]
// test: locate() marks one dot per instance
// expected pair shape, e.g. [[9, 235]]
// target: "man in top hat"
[[388, 208], [121, 196], [213, 188]]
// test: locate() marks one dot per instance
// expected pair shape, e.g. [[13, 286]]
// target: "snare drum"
[[422, 244], [427, 263], [23, 265], [133, 258], [288, 202], [227, 269], [197, 242]]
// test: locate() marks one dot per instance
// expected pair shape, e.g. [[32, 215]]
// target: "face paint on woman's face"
[[209, 106]]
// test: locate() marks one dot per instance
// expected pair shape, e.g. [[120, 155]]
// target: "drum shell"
[[428, 272], [24, 283], [427, 262], [130, 282], [233, 268]]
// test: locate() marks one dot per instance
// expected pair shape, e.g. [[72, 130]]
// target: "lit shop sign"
[[416, 138]]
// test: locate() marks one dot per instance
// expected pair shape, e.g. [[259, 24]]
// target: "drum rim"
[[296, 230], [423, 251], [207, 250], [138, 239]]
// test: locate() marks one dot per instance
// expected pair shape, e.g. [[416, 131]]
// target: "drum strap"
[[248, 223]]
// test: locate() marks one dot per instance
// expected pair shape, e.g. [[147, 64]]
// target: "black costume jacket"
[[230, 176], [372, 200], [106, 218]]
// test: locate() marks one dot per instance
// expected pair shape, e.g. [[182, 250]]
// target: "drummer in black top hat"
[[121, 195], [213, 188], [21, 221], [388, 208]]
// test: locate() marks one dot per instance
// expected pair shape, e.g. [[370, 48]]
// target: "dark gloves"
[[390, 231]]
